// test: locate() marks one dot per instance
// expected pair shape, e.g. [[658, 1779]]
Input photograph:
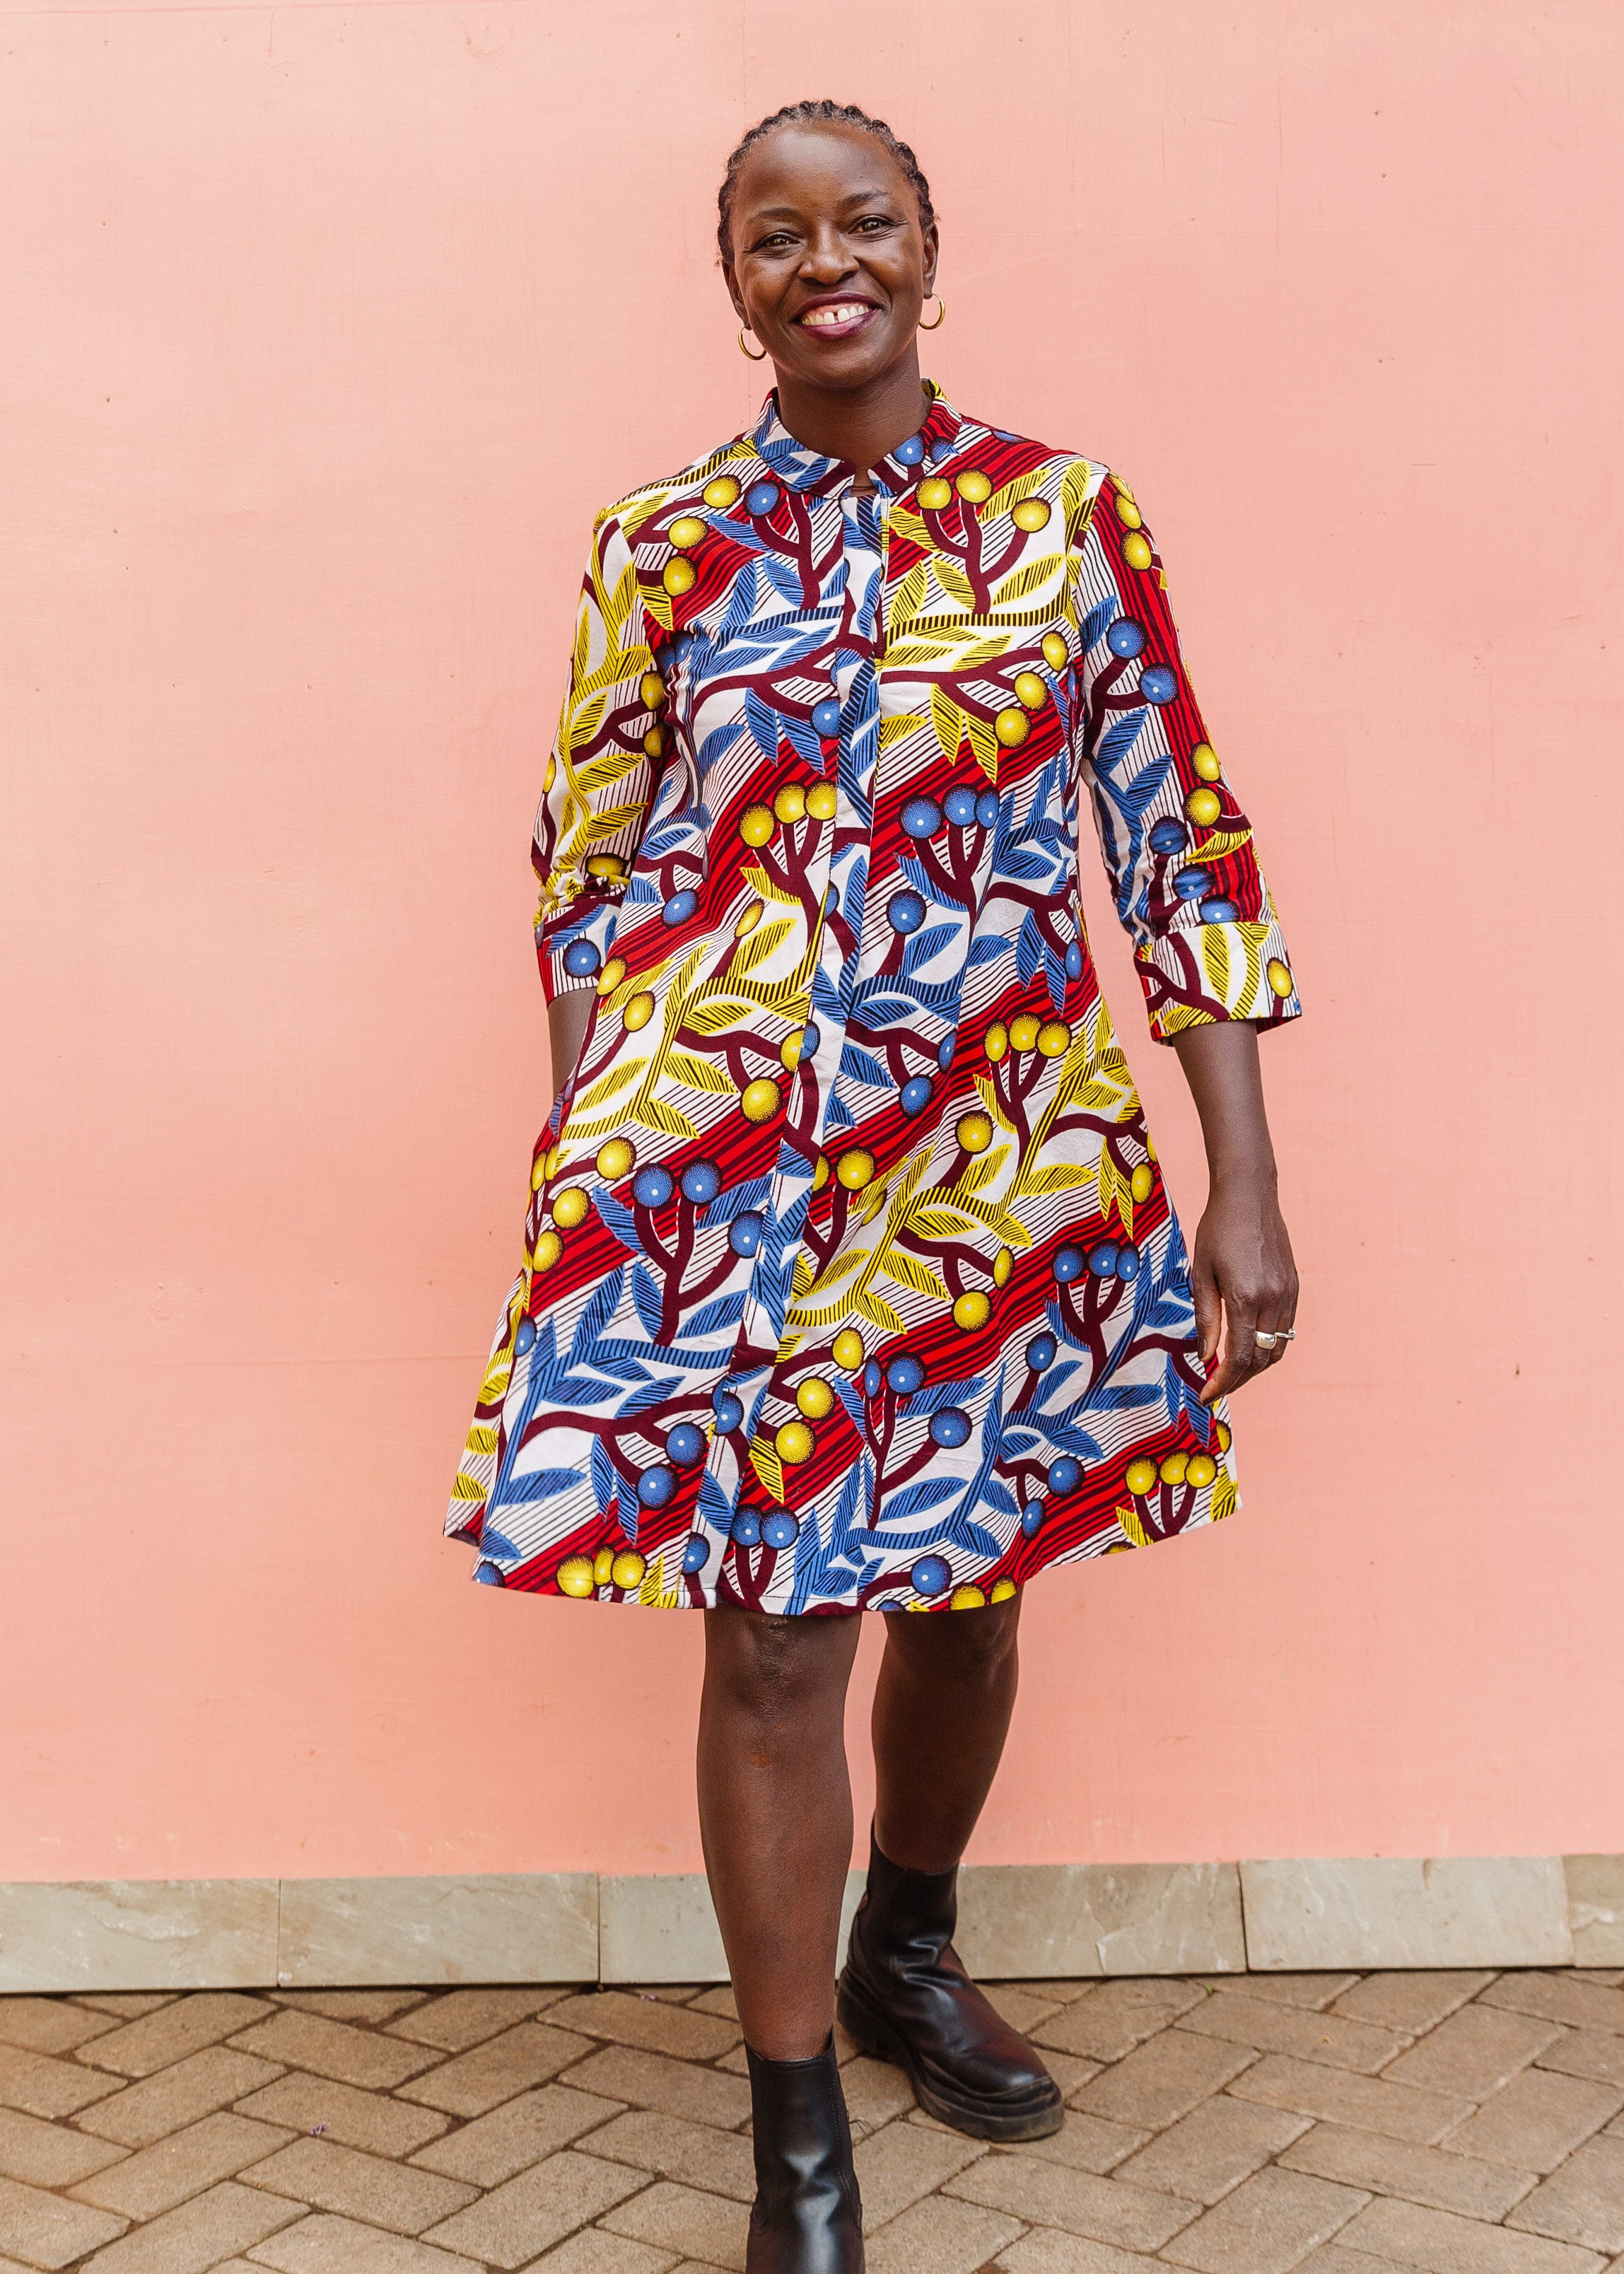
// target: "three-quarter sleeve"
[[596, 789], [1177, 847]]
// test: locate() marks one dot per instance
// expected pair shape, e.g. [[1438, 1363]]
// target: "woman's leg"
[[775, 1816], [941, 1710]]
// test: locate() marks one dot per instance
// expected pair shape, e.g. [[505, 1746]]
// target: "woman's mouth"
[[837, 320]]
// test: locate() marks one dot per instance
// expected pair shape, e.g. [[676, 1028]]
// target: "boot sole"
[[979, 2118]]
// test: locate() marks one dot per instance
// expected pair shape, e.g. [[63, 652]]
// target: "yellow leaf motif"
[[695, 1073], [623, 1073], [948, 720], [1215, 957], [1033, 577], [654, 1113], [654, 1591], [913, 1271], [953, 580], [1077, 491], [909, 596], [1055, 1177], [765, 1462], [1024, 485], [984, 742], [1128, 1517], [1174, 1017], [942, 1224], [879, 1312], [1115, 1190]]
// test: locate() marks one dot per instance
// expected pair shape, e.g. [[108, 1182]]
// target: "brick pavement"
[[1465, 2123]]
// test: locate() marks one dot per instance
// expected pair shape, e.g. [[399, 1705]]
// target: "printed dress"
[[850, 1280]]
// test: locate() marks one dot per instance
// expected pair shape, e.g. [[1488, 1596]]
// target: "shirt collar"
[[801, 468]]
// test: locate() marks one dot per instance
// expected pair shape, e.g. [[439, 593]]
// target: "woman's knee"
[[778, 1668], [978, 1647]]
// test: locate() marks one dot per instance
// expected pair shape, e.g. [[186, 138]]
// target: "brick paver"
[[1422, 2175], [159, 2040], [326, 2109], [157, 2178], [1474, 2051], [50, 2154], [1270, 2027], [1214, 2149], [161, 2105], [1584, 2202], [193, 2238], [1437, 2242], [519, 2133], [1437, 2123], [1402, 2111], [472, 2083], [1537, 2120], [47, 2230], [1268, 2225]]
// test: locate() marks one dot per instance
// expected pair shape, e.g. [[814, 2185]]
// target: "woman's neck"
[[861, 426]]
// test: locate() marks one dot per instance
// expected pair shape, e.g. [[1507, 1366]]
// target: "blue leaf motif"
[[606, 1484], [724, 1311], [862, 1065], [1117, 740], [1028, 948], [623, 1224], [764, 724], [540, 1484], [914, 1498], [646, 1295], [1097, 622]]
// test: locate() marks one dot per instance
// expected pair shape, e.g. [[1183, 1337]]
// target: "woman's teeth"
[[847, 312]]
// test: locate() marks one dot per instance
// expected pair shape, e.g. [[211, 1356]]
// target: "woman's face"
[[830, 268]]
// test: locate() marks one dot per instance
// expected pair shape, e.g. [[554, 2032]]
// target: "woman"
[[850, 1281]]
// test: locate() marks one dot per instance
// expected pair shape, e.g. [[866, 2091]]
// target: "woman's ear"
[[732, 282], [933, 251]]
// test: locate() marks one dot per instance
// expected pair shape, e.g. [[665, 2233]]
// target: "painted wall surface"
[[327, 329]]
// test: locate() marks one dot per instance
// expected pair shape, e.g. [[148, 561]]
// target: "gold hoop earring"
[[941, 311], [744, 352]]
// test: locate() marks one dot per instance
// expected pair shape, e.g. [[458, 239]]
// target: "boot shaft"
[[905, 1919], [806, 2218]]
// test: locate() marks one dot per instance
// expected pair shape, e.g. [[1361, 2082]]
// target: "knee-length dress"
[[850, 1279]]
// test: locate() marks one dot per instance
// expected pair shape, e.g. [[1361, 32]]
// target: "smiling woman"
[[850, 1280]]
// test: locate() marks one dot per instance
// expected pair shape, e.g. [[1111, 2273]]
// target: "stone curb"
[[1033, 1921]]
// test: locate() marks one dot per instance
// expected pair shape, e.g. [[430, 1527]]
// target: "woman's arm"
[[1242, 1273], [566, 1024]]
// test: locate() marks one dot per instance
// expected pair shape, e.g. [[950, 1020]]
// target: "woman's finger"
[[1274, 1318], [1238, 1352], [1208, 1307]]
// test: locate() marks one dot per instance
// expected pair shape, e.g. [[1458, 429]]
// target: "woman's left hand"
[[1242, 1275], [1243, 1281]]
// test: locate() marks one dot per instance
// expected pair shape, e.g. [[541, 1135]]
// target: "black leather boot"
[[905, 1994], [806, 2217]]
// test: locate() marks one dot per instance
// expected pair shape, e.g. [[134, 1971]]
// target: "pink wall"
[[328, 329]]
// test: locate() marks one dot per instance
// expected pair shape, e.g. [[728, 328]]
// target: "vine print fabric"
[[850, 1279]]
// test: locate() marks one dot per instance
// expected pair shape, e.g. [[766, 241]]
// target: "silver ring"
[[1279, 1335]]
